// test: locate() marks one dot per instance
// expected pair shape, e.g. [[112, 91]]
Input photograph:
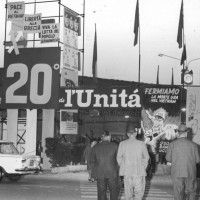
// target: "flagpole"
[[182, 116], [83, 56], [183, 45], [139, 45]]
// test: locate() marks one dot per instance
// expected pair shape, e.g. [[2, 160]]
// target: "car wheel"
[[14, 177], [2, 174]]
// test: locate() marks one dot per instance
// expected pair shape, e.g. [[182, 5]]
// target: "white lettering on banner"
[[102, 100], [35, 98], [168, 91]]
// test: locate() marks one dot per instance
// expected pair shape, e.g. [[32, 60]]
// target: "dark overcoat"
[[103, 160]]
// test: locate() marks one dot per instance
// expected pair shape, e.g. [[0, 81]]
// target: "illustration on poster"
[[155, 128]]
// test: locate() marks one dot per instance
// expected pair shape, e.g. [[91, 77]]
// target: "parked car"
[[14, 165]]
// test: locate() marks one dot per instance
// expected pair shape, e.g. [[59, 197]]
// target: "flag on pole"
[[180, 28], [157, 82], [94, 62], [172, 83], [137, 24], [184, 55]]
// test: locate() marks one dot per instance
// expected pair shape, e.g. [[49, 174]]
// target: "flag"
[[184, 55], [180, 28], [172, 83], [157, 82], [136, 26], [94, 62]]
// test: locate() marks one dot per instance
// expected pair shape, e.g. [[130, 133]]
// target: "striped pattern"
[[89, 192]]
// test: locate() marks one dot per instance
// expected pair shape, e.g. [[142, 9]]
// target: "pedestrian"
[[133, 159], [87, 157], [183, 156], [104, 160]]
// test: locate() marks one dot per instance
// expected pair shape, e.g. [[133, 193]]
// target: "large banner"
[[160, 114], [193, 114], [99, 98], [31, 79]]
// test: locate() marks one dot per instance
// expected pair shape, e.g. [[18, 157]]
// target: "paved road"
[[152, 192], [74, 186]]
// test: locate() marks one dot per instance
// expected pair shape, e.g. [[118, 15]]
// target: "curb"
[[68, 168]]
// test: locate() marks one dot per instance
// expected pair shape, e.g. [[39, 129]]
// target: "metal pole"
[[139, 46], [83, 56], [34, 33]]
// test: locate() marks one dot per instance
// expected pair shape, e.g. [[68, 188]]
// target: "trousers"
[[134, 187], [184, 187], [113, 186]]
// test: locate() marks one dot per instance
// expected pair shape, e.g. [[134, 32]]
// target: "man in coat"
[[183, 156], [133, 159], [103, 160]]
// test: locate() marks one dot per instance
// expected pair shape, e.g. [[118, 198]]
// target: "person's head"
[[106, 136], [132, 133], [182, 130]]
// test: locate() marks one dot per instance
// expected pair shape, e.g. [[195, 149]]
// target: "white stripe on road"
[[89, 191]]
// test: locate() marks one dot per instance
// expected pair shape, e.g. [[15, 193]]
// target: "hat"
[[106, 133], [160, 113], [182, 128]]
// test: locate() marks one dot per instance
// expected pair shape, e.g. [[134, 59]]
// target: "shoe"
[[89, 179]]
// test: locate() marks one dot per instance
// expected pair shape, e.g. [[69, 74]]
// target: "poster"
[[160, 114], [69, 78], [68, 121], [32, 23], [16, 10], [50, 32], [193, 114], [70, 46]]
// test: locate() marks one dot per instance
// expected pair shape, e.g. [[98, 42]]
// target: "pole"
[[139, 45], [83, 58], [182, 93]]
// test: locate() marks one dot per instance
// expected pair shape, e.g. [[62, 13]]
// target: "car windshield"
[[8, 148]]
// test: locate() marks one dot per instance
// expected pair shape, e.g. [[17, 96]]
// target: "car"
[[14, 165]]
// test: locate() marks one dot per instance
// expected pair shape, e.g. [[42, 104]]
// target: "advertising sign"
[[160, 113], [16, 10], [32, 23], [99, 98], [31, 79], [193, 114], [68, 121]]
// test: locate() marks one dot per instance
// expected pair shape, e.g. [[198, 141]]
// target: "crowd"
[[109, 162]]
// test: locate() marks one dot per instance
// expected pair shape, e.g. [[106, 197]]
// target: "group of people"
[[108, 161]]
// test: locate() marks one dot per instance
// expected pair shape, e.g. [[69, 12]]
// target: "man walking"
[[103, 160], [183, 156], [133, 159]]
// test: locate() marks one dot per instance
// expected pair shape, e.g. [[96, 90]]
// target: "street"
[[74, 186], [41, 187]]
